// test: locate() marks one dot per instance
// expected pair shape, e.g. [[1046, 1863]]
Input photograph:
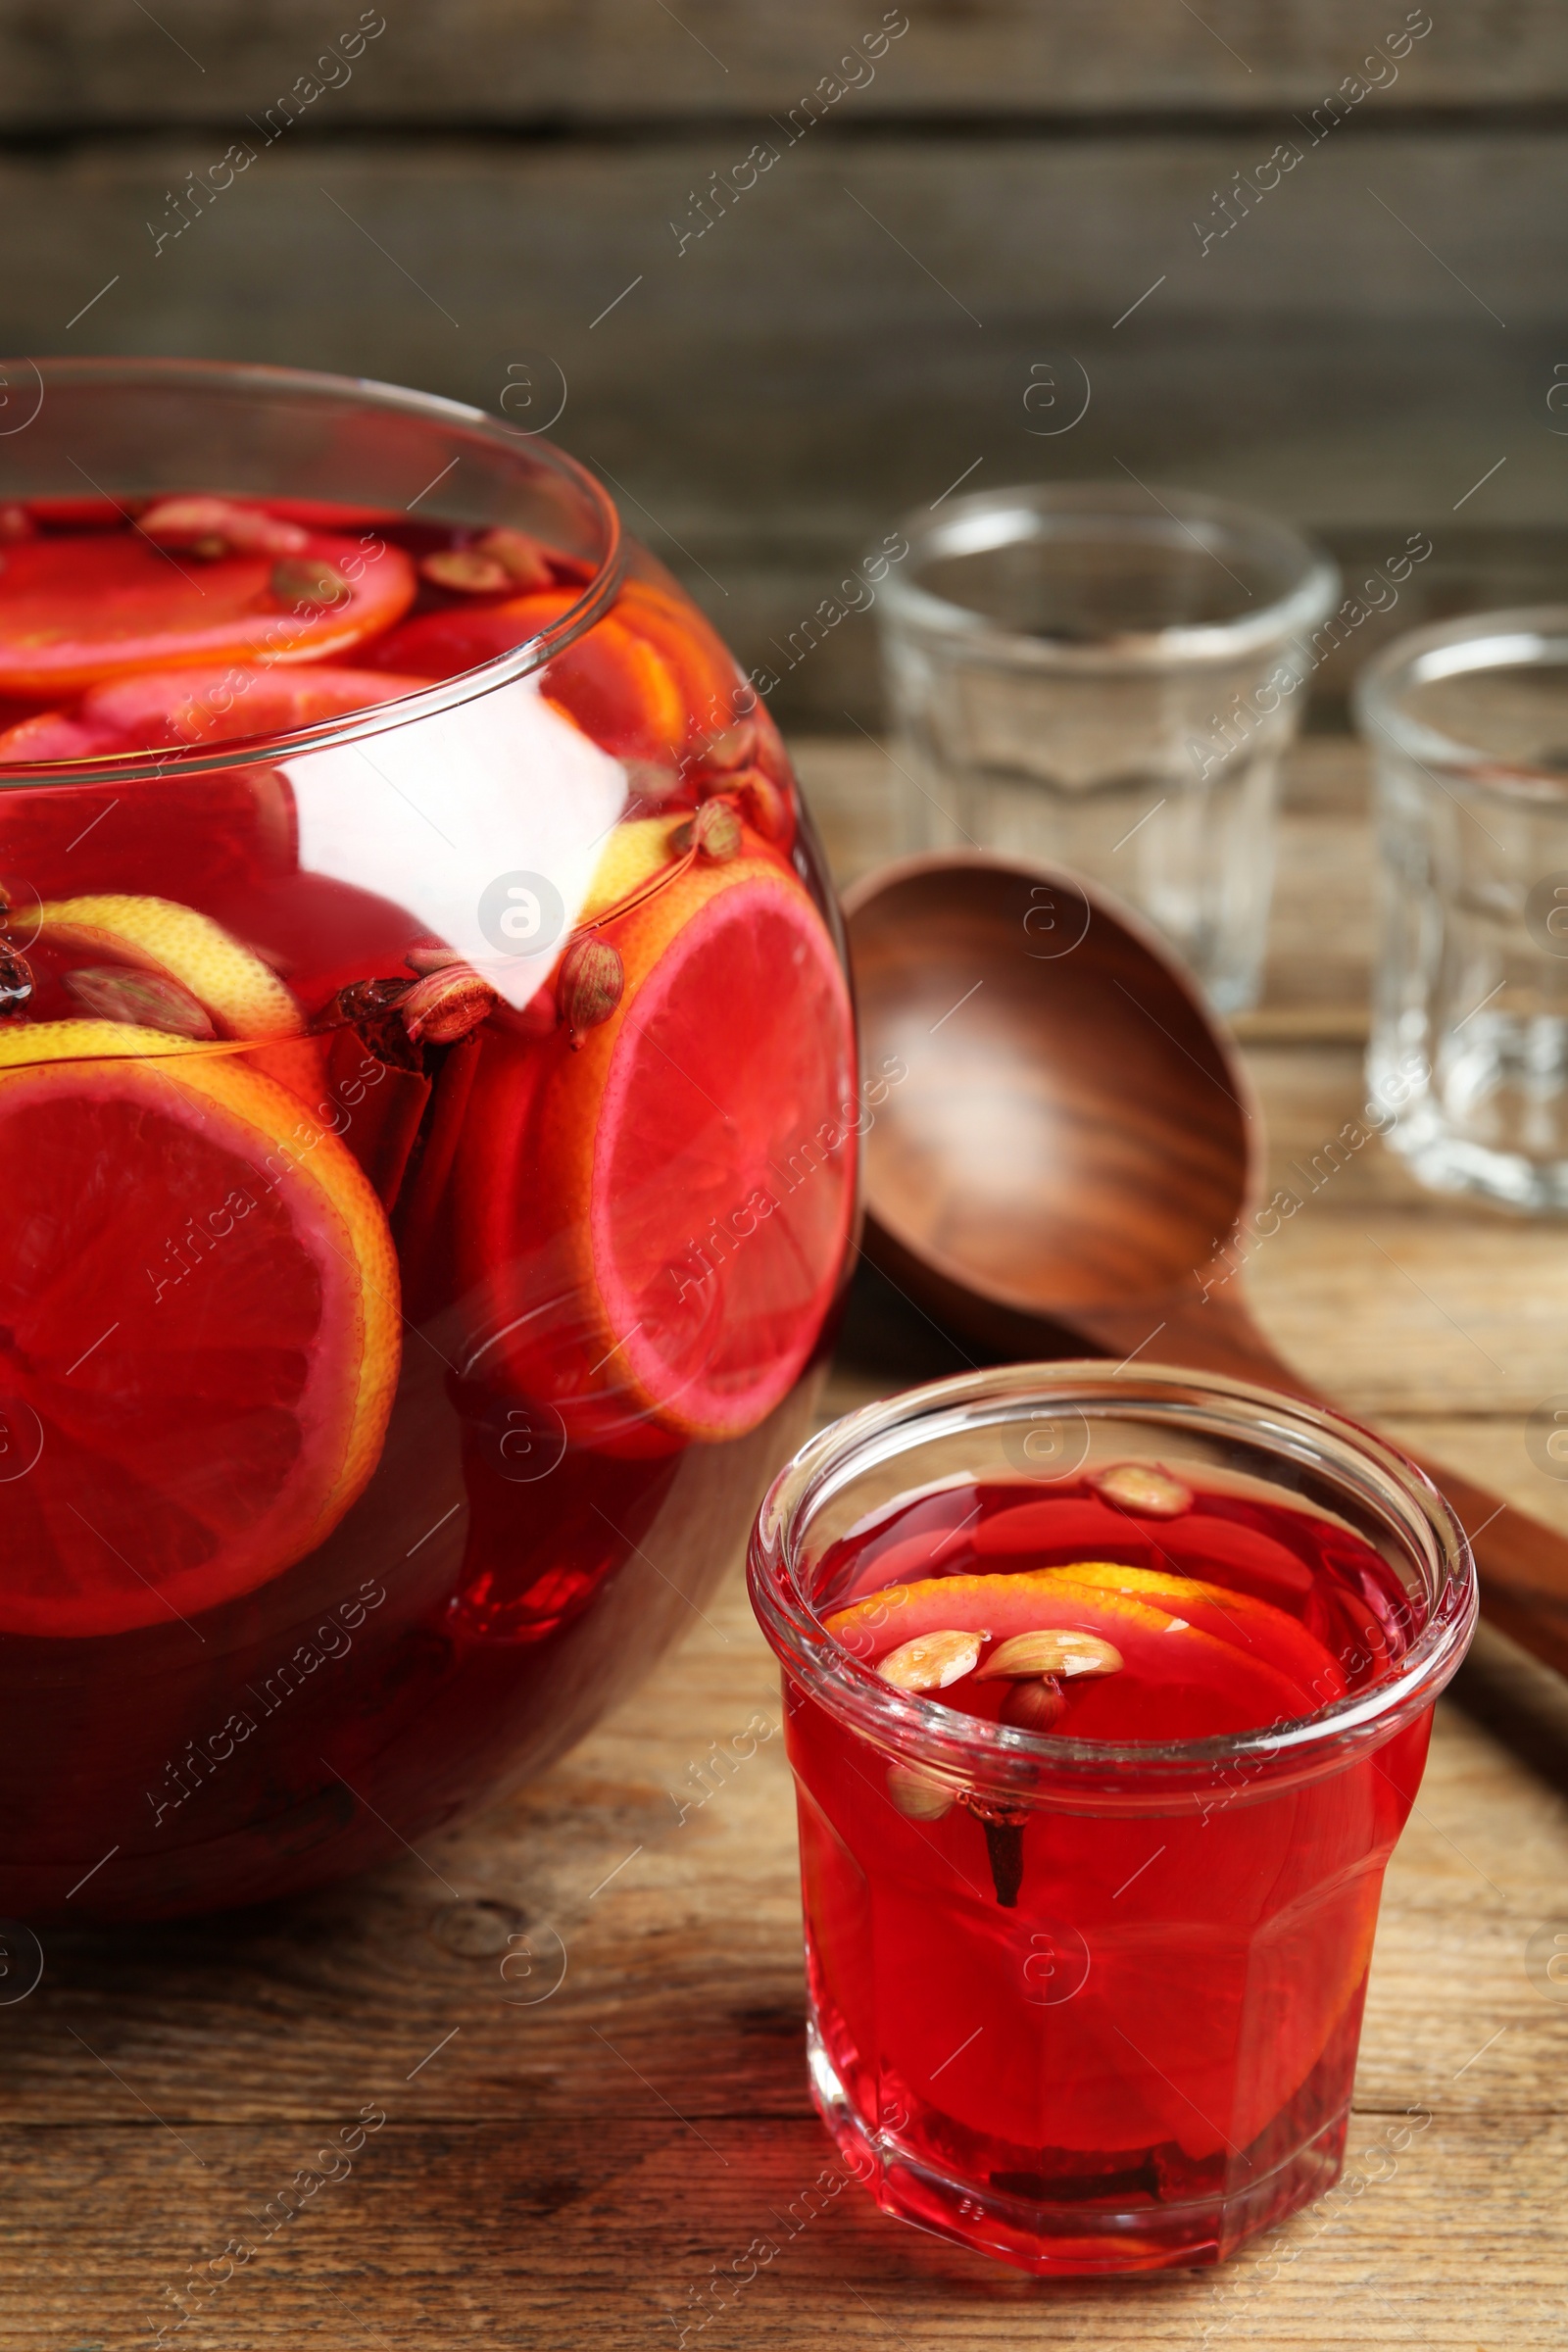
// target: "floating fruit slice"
[[74, 611], [240, 992], [460, 637], [686, 1180], [634, 855], [1255, 1626], [53, 735], [613, 682], [697, 657], [676, 679], [243, 996], [199, 1329], [999, 1607], [619, 690], [175, 706], [1179, 1683]]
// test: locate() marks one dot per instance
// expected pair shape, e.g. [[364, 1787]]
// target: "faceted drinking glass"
[[1093, 2004], [1099, 678], [1468, 727]]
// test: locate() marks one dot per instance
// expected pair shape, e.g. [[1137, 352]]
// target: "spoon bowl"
[[1043, 1153]]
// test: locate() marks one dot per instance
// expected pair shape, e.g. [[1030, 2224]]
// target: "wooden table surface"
[[570, 2033]]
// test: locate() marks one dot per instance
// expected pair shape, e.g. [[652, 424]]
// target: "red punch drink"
[[1107, 1698], [429, 1113]]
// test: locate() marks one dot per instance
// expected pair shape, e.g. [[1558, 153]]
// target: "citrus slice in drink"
[[464, 636], [55, 735], [660, 1241], [169, 708], [621, 691], [1178, 1681], [1254, 1627], [199, 1329], [78, 610], [243, 996], [636, 853], [696, 654], [613, 682]]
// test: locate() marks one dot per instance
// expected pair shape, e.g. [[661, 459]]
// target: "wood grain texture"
[[1042, 1149], [770, 399], [546, 62], [572, 2172], [1028, 232]]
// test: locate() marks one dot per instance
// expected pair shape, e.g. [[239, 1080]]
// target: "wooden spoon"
[[1076, 1148]]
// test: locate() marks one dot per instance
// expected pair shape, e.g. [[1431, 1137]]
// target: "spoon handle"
[[1216, 1334], [1523, 1565]]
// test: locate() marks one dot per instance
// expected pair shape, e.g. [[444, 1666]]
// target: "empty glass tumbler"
[[1468, 727], [1105, 677]]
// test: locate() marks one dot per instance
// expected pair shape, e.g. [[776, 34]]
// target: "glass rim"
[[1515, 637], [1026, 1766], [984, 520], [236, 377]]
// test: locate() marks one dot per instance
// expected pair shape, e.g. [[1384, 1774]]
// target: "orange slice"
[[613, 682], [1253, 1626], [1178, 1683], [169, 708], [695, 653], [663, 1236], [105, 604], [54, 735], [199, 1329], [1088, 1527]]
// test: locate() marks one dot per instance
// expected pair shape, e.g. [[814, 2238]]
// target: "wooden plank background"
[[553, 61], [856, 333]]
